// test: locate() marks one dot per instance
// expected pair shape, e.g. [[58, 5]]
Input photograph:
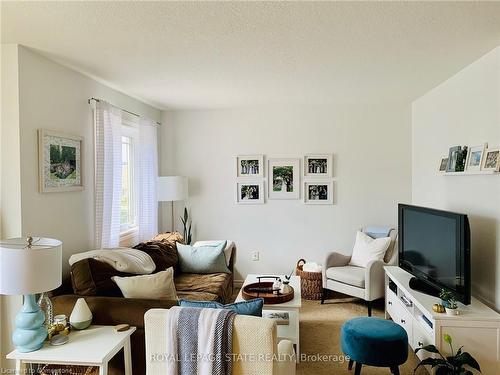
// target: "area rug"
[[320, 338]]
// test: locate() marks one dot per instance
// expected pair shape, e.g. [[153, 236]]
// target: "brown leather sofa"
[[91, 277]]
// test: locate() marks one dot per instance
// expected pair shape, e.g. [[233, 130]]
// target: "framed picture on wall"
[[443, 162], [491, 160], [318, 192], [250, 192], [60, 158], [475, 157], [318, 165], [284, 178], [250, 166]]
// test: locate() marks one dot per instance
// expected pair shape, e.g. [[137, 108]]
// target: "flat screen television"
[[434, 246]]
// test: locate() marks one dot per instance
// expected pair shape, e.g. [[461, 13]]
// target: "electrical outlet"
[[255, 256]]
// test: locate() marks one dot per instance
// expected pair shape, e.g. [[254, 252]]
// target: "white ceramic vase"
[[81, 316]]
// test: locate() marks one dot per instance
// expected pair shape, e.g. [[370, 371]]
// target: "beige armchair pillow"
[[367, 249]]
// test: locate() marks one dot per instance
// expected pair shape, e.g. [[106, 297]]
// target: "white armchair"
[[365, 283], [254, 344]]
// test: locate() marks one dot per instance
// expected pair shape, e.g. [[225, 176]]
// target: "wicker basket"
[[311, 283]]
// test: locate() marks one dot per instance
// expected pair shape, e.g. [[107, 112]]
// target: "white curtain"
[[108, 175], [147, 169]]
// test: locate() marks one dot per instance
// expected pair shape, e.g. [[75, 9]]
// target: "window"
[[127, 218], [128, 200]]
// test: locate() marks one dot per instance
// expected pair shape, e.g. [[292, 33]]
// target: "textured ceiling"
[[200, 54]]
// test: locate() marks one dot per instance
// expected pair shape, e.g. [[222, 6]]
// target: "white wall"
[[371, 147], [464, 110], [10, 179], [40, 93], [55, 97]]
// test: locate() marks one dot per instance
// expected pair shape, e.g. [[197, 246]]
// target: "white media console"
[[477, 327]]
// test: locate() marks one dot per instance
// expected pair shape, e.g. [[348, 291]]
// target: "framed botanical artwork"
[[318, 192], [251, 192], [318, 165], [475, 157], [250, 166], [443, 162], [284, 178], [60, 158], [491, 159]]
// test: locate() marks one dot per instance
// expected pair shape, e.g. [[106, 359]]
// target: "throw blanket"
[[201, 340], [121, 259]]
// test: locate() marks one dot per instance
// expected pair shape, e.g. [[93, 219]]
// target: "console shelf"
[[477, 327]]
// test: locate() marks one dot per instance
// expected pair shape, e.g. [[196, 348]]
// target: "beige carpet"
[[319, 334]]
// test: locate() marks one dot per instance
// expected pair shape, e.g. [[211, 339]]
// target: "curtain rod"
[[124, 110]]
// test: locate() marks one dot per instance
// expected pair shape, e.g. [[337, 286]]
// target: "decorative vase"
[[285, 288], [81, 316], [451, 312]]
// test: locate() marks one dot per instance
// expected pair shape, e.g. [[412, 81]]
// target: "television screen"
[[434, 247]]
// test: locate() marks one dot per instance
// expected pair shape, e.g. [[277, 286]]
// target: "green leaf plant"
[[186, 222], [456, 364]]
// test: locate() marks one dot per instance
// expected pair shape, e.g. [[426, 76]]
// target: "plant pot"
[[451, 312]]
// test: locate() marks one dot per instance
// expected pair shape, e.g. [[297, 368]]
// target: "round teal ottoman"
[[374, 342]]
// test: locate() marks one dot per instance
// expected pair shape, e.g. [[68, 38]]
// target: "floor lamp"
[[171, 189]]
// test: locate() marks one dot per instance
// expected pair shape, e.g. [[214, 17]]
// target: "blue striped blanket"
[[200, 340]]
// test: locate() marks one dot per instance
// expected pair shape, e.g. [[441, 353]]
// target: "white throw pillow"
[[367, 249], [156, 286]]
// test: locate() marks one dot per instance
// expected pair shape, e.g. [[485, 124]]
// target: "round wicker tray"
[[269, 297]]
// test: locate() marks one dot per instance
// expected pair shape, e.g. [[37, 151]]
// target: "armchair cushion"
[[367, 249], [350, 275]]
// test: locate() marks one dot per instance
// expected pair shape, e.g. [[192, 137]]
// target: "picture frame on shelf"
[[250, 192], [453, 157], [283, 178], [491, 159], [318, 165], [443, 163], [250, 166], [60, 161], [318, 192], [475, 157]]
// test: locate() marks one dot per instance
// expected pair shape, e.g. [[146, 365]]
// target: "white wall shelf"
[[469, 173]]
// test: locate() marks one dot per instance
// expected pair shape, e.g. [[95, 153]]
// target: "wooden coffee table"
[[290, 331]]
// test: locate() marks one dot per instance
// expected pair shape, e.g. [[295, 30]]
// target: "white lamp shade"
[[172, 188], [32, 270]]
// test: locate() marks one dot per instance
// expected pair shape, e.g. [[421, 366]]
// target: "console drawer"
[[398, 312], [420, 338]]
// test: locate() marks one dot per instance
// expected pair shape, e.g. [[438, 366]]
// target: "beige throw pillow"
[[156, 286], [367, 249]]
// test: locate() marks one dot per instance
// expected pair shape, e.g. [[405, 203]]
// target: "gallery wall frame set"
[[60, 161], [467, 160], [284, 178]]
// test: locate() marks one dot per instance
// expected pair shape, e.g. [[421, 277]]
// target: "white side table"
[[94, 346]]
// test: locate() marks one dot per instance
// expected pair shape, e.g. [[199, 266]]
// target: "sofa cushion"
[[156, 286], [218, 284], [202, 259], [351, 275], [198, 296]]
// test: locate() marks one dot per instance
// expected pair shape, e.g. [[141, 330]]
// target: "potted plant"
[[456, 364], [452, 308]]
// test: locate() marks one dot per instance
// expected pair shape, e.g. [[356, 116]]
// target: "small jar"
[[60, 322]]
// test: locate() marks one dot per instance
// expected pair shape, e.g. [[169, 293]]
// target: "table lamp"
[[30, 266], [171, 189]]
